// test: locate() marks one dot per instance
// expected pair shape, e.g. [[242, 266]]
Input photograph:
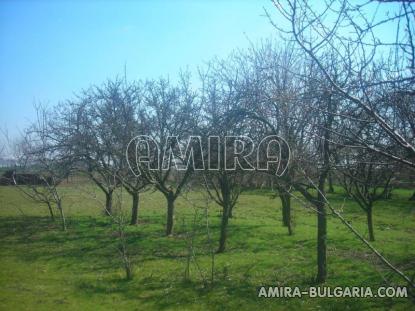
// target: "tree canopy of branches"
[[341, 97]]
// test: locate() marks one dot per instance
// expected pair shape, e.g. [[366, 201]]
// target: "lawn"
[[44, 268]]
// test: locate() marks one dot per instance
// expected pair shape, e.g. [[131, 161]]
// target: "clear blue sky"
[[49, 50]]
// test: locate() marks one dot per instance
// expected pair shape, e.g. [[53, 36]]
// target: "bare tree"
[[272, 92], [126, 121], [119, 219], [355, 37], [367, 180], [101, 123], [44, 166], [171, 114], [223, 131]]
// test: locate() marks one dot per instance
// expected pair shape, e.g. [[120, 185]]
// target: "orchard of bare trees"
[[340, 97]]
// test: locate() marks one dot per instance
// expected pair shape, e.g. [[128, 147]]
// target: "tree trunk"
[[170, 213], [62, 215], [134, 210], [52, 217], [108, 203], [224, 228], [321, 243], [330, 180], [286, 211], [230, 215], [321, 200], [322, 225], [370, 224]]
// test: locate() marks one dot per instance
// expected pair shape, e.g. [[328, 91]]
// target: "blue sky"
[[49, 50]]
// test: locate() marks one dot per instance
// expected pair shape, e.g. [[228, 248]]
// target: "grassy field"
[[43, 268]]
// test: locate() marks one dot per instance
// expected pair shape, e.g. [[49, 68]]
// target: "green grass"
[[43, 268]]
